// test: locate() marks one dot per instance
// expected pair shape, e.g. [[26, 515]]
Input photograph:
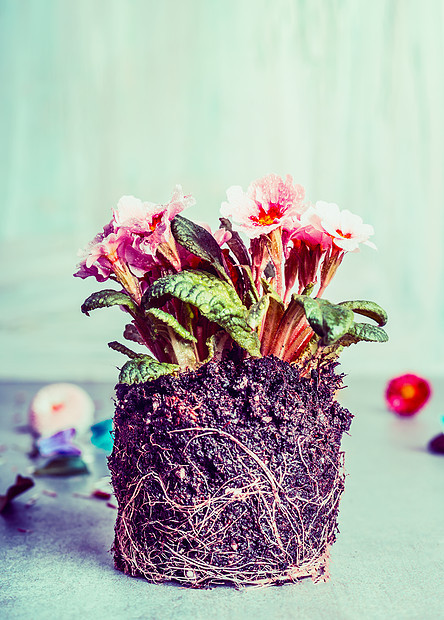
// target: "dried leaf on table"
[[21, 485]]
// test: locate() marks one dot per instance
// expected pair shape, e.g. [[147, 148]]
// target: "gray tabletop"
[[387, 561]]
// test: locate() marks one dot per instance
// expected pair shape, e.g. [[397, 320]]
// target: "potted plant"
[[226, 464]]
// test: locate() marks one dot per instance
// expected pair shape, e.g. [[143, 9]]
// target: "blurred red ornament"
[[407, 394]]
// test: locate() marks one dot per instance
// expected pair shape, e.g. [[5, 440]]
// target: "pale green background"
[[104, 98]]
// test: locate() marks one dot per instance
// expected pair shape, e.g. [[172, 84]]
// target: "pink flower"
[[346, 229], [128, 246], [221, 234], [305, 229], [104, 252], [150, 220], [266, 205], [111, 255]]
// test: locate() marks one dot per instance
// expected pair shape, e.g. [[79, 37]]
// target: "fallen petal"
[[59, 444]]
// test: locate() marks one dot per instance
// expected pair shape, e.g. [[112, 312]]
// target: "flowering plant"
[[192, 295]]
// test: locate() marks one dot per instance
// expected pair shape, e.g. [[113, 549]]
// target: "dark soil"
[[230, 474]]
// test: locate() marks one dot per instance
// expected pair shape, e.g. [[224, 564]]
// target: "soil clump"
[[228, 474]]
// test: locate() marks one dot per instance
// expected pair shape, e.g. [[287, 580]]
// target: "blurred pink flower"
[[346, 229], [60, 406], [266, 205]]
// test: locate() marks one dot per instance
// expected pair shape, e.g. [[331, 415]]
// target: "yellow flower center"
[[155, 222], [343, 235], [266, 218]]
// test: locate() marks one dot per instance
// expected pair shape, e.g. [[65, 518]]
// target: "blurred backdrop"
[[100, 98]]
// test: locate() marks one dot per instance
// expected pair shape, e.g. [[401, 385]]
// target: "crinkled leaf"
[[369, 309], [215, 299], [170, 321], [358, 332], [236, 245], [106, 298], [198, 241], [121, 348], [22, 484], [370, 333], [329, 321], [145, 368], [257, 311], [132, 333], [63, 466]]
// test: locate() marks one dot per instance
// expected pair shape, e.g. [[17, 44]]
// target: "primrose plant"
[[191, 295]]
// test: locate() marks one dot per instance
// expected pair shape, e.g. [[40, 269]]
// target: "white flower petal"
[[128, 207]]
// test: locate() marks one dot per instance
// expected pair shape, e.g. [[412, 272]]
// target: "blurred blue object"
[[101, 435], [59, 444]]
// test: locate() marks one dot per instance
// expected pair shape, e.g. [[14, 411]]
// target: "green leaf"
[[198, 241], [167, 319], [269, 289], [367, 308], [145, 368], [215, 299], [370, 333], [106, 298], [121, 348], [329, 321], [257, 311], [63, 466], [216, 344]]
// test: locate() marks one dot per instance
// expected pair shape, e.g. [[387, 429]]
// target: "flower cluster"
[[136, 241], [309, 241], [193, 294]]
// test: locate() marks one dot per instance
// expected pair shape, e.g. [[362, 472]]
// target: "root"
[[203, 505]]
